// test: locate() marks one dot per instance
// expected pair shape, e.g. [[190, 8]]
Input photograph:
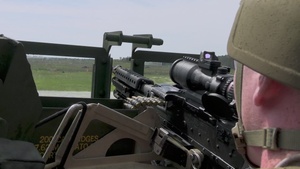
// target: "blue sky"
[[186, 26]]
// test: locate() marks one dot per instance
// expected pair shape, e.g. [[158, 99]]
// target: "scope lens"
[[207, 56]]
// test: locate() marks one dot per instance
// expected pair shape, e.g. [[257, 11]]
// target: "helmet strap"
[[273, 138], [238, 129]]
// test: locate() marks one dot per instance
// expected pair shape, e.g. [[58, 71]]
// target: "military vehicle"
[[146, 125]]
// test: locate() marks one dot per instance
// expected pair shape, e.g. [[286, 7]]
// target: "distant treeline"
[[226, 60]]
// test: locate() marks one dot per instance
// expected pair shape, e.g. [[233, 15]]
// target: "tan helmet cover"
[[266, 37]]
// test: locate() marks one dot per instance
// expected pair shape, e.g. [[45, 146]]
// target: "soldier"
[[265, 42]]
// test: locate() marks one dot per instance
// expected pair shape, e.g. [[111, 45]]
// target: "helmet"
[[266, 37]]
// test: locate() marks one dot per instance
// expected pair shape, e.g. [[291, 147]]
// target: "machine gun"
[[199, 108], [188, 123]]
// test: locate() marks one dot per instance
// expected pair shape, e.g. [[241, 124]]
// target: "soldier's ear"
[[267, 91]]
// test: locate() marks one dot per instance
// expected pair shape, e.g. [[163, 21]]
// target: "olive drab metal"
[[265, 37], [162, 125]]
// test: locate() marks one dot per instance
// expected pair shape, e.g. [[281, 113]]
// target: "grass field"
[[65, 74], [67, 81], [69, 74]]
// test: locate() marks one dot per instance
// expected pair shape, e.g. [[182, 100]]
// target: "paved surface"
[[67, 94], [64, 93]]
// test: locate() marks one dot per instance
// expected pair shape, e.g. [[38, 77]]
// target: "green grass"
[[76, 74], [62, 81], [159, 74], [63, 74]]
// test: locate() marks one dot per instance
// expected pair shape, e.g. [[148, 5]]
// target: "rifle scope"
[[205, 73]]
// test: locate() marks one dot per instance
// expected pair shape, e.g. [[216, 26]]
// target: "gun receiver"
[[199, 108]]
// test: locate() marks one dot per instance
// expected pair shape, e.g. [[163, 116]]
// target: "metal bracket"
[[153, 142], [117, 38]]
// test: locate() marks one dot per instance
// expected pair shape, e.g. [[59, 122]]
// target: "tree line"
[[226, 60]]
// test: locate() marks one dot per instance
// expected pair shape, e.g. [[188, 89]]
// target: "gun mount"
[[172, 127]]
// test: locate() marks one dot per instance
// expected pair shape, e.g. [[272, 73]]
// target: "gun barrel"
[[131, 78]]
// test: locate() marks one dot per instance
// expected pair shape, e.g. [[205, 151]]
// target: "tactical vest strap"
[[273, 138]]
